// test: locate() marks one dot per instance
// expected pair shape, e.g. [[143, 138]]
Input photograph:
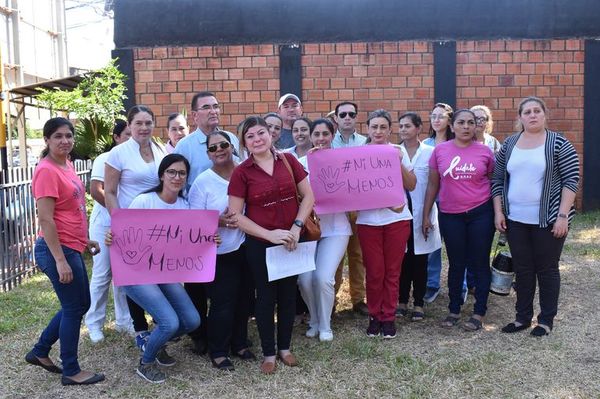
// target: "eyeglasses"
[[172, 173], [350, 114], [208, 107], [223, 145], [434, 117], [481, 120]]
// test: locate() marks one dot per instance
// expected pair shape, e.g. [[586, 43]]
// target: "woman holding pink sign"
[[168, 304], [317, 287], [383, 234]]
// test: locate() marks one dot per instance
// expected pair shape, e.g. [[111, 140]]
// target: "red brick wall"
[[397, 76]]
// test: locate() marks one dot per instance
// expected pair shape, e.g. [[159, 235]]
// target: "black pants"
[[268, 294], [414, 272], [535, 254], [229, 305], [199, 297], [137, 315]]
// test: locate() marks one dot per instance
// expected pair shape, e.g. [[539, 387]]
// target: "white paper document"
[[283, 263]]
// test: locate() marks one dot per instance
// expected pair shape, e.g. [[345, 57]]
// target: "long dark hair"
[[450, 112], [167, 161], [120, 126], [51, 126]]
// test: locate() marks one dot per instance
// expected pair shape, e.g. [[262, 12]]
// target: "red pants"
[[383, 250]]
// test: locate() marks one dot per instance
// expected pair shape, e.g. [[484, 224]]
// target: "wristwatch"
[[299, 223], [562, 215]]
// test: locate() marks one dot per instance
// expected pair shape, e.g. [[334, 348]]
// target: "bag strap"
[[289, 168]]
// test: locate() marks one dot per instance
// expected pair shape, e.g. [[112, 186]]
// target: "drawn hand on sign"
[[131, 244], [329, 178]]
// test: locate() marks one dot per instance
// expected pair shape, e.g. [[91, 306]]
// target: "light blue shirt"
[[193, 147], [354, 140]]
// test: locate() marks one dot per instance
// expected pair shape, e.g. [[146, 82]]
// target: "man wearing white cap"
[[290, 109]]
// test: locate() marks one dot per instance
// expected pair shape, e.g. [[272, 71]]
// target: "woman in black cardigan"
[[533, 188]]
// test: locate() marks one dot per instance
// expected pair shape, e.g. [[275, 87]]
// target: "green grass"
[[424, 361]]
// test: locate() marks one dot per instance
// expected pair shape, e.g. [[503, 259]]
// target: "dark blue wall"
[[196, 22]]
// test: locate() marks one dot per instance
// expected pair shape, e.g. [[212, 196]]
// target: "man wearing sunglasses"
[[346, 136], [206, 111], [289, 109]]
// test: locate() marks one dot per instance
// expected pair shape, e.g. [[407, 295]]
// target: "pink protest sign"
[[155, 246], [356, 178]]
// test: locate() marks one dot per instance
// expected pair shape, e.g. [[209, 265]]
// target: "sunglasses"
[[223, 145], [350, 114]]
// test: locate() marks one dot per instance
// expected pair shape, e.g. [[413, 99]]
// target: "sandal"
[[473, 324], [450, 321], [417, 316]]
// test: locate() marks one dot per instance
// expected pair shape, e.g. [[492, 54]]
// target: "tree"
[[97, 101]]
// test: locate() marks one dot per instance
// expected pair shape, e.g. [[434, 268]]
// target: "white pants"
[[100, 284], [317, 286]]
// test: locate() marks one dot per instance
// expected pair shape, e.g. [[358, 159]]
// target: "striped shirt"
[[562, 171]]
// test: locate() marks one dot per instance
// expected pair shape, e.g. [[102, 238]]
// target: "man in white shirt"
[[346, 136], [289, 109], [205, 111]]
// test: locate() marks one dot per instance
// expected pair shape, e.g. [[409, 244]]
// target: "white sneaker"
[[96, 336], [325, 336], [312, 332], [128, 329]]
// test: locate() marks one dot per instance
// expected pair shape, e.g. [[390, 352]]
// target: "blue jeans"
[[468, 237], [74, 300], [172, 310]]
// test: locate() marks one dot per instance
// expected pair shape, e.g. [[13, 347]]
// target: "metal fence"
[[19, 222]]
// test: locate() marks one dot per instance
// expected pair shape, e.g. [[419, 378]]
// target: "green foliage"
[[97, 101]]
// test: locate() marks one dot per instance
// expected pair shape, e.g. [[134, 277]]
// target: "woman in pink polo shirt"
[[460, 171]]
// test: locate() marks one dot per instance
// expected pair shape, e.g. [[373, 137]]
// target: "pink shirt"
[[65, 187], [464, 181]]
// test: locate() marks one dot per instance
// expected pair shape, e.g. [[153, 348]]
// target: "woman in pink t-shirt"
[[459, 170], [60, 199]]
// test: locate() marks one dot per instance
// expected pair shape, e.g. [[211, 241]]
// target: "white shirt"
[[420, 164], [384, 216], [137, 175], [100, 215], [153, 201], [354, 140], [332, 224], [209, 191], [193, 148], [526, 170]]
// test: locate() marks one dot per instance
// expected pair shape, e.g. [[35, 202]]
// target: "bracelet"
[[562, 215]]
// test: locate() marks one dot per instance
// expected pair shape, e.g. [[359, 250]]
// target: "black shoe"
[[32, 359], [513, 328], [539, 331], [225, 364], [200, 346], [361, 308], [245, 355], [92, 380]]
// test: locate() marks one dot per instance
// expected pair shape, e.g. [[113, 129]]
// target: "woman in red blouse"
[[262, 192]]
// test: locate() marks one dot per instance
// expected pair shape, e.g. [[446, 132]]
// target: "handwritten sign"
[[356, 178], [282, 263], [158, 246]]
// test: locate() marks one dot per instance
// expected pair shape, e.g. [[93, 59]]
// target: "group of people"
[[460, 186]]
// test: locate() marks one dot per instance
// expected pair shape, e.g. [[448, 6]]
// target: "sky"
[[89, 34]]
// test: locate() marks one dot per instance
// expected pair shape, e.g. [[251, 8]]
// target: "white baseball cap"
[[286, 97]]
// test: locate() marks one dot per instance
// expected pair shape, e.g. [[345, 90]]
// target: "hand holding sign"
[[131, 246], [329, 178]]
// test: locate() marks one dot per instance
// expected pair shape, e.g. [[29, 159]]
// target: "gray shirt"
[[285, 140]]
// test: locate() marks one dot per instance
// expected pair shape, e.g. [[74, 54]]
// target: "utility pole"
[[3, 152]]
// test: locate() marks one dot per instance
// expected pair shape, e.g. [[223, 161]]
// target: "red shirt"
[[65, 187], [270, 200]]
